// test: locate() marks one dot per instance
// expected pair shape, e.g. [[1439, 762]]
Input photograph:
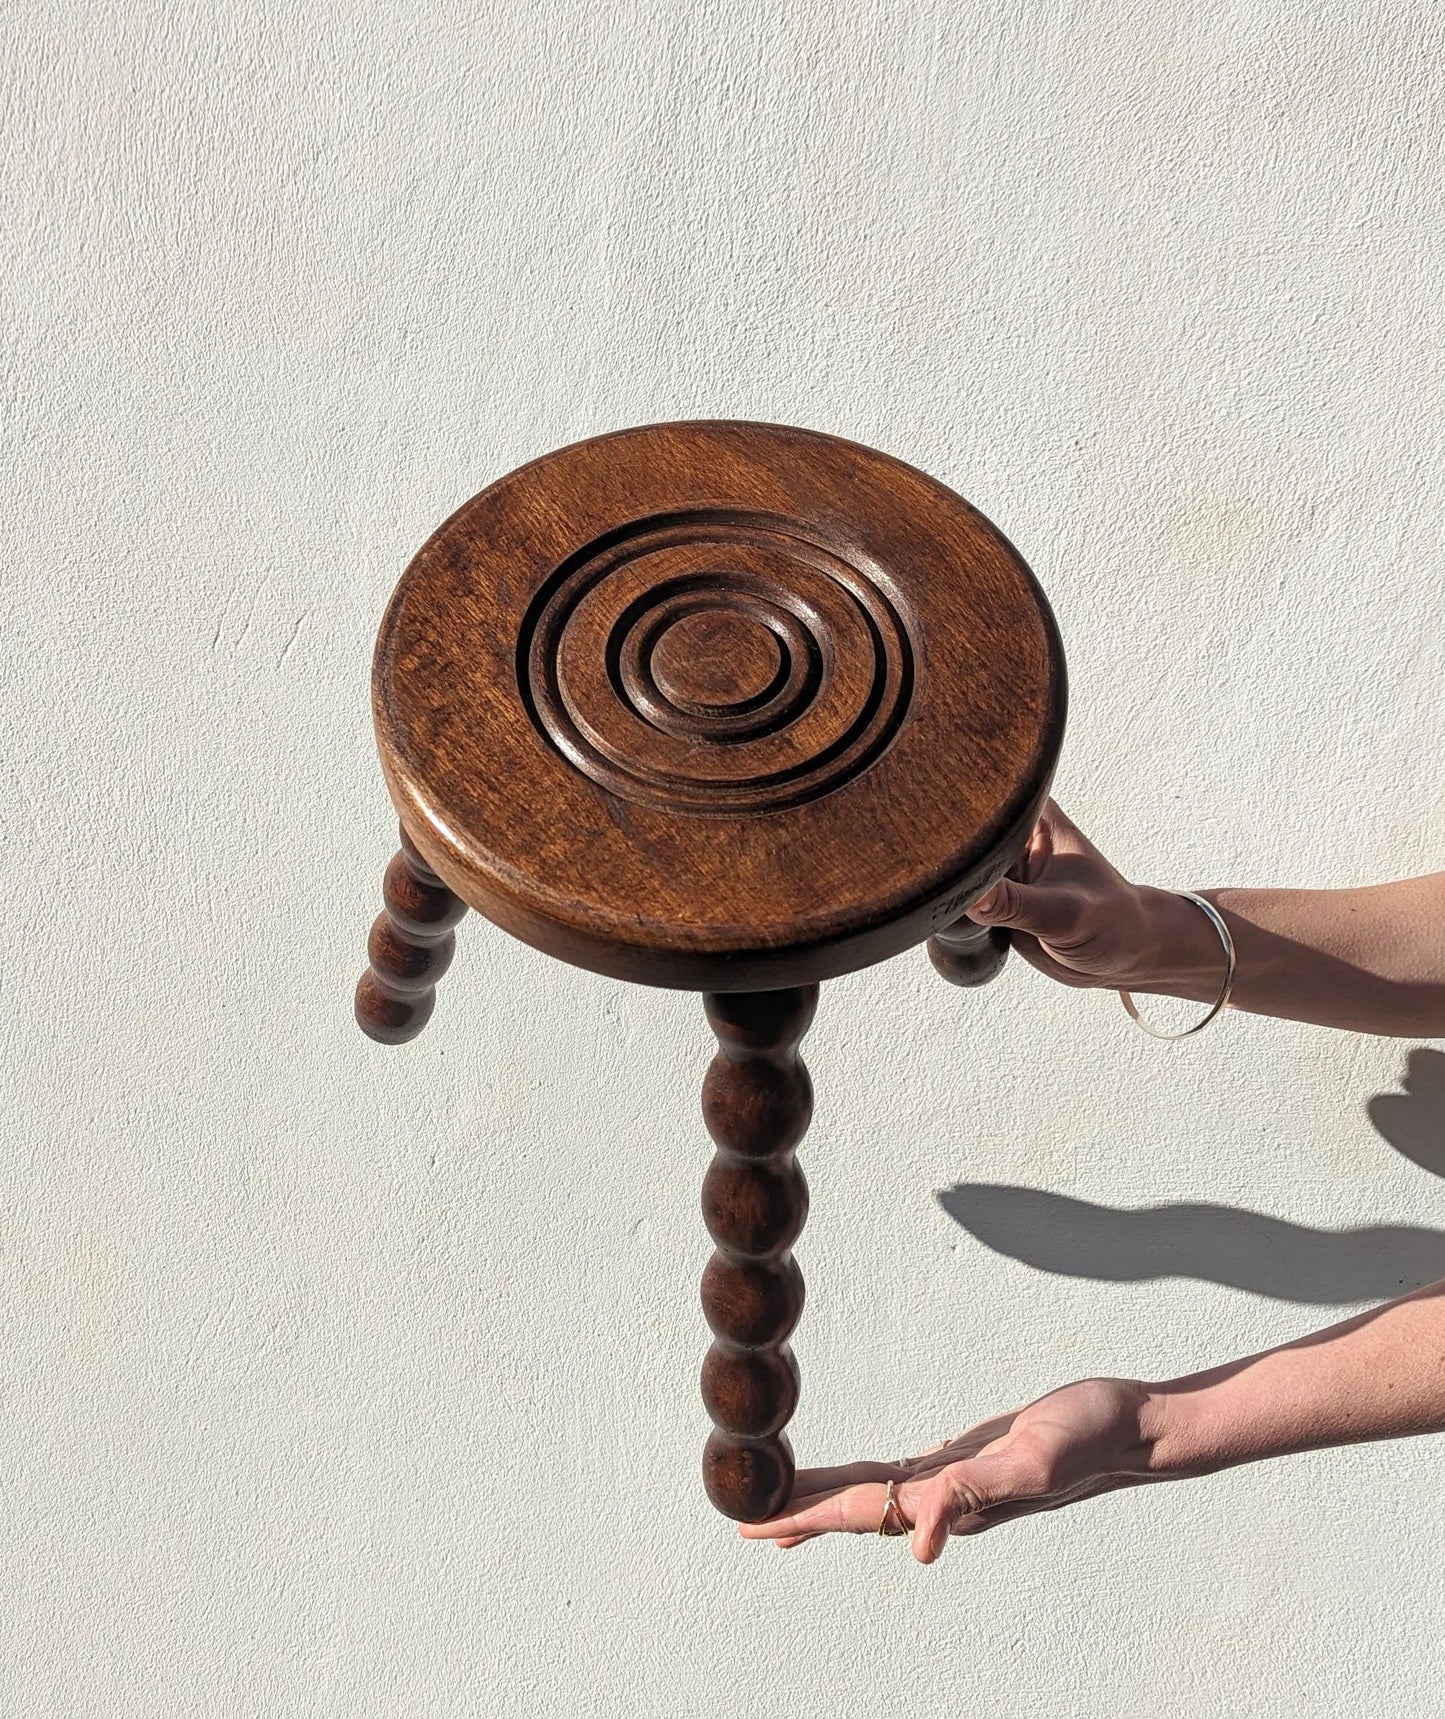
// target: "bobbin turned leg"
[[757, 1101], [410, 947], [969, 954]]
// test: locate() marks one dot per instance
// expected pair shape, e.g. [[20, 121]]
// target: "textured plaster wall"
[[345, 1381]]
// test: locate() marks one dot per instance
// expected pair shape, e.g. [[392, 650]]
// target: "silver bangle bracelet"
[[1216, 919]]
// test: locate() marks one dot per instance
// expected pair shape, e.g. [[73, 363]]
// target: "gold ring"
[[890, 1502]]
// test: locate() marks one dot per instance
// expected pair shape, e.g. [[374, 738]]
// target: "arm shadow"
[[1220, 1244], [1216, 1244]]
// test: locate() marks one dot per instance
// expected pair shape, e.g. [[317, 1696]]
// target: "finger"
[[809, 1481], [929, 1463], [937, 1509], [956, 1450], [949, 1501], [1049, 911], [1065, 836], [1038, 956], [1038, 851], [934, 1450], [846, 1510], [967, 1443]]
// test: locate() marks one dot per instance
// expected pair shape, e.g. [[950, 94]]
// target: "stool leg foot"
[[410, 947], [757, 1101], [969, 954]]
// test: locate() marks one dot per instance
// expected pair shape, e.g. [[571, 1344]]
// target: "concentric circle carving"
[[720, 705], [716, 661]]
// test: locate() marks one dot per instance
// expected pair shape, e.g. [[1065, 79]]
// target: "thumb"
[[1050, 912], [943, 1503]]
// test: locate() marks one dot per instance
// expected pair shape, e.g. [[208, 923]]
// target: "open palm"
[[1072, 1444]]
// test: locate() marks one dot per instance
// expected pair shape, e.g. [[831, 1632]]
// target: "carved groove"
[[716, 661], [411, 945], [757, 1101]]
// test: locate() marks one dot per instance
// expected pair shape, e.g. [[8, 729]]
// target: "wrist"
[[1182, 1432], [1180, 954], [1170, 1435]]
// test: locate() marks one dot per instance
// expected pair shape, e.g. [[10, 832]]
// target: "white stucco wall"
[[345, 1381]]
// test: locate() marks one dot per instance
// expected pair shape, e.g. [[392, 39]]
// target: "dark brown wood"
[[718, 705], [725, 706], [969, 954], [410, 947], [712, 662], [757, 1101]]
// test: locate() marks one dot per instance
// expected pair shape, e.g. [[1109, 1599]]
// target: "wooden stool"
[[728, 707]]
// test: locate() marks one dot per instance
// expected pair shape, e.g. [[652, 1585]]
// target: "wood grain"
[[718, 705], [757, 1101], [410, 947], [731, 707]]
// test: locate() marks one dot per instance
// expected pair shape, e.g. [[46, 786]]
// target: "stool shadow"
[[1413, 1121], [1216, 1244]]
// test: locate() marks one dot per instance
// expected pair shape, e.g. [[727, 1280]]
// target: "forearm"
[[1378, 1375], [1369, 960]]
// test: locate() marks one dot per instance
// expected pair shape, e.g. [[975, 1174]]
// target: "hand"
[[1083, 923], [1084, 1439]]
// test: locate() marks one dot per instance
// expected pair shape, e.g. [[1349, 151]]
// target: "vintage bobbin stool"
[[729, 707]]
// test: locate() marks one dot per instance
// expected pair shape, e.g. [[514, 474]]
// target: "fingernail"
[[939, 1540], [986, 903]]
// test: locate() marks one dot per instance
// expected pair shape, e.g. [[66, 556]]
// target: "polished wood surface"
[[718, 705], [410, 947], [729, 707], [757, 1101], [968, 954]]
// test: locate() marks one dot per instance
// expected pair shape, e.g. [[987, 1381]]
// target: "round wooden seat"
[[724, 706]]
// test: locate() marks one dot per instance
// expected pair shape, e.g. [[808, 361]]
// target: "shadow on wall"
[[1219, 1244], [1413, 1121]]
